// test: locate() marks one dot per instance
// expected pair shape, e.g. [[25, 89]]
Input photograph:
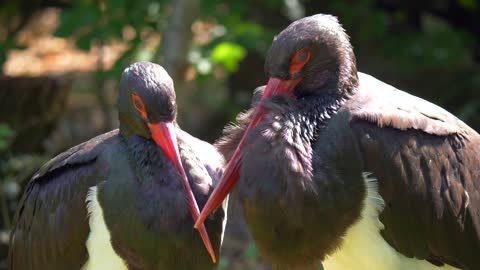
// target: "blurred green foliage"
[[435, 44], [18, 168], [405, 43], [5, 133], [251, 251], [469, 4], [92, 22], [12, 24], [229, 55]]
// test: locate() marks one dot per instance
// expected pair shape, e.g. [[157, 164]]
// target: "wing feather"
[[427, 163], [51, 226]]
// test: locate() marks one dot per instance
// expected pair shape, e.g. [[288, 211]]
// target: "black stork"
[[336, 167], [125, 199]]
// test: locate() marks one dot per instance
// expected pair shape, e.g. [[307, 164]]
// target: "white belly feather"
[[364, 248], [100, 250]]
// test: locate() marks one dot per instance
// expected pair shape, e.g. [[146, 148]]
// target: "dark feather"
[[50, 226], [426, 162]]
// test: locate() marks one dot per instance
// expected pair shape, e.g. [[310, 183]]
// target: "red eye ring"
[[138, 105], [299, 60]]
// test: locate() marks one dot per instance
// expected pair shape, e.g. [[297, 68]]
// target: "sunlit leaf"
[[229, 55]]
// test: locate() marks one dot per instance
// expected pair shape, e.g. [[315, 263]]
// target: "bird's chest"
[[139, 225], [283, 214], [276, 160]]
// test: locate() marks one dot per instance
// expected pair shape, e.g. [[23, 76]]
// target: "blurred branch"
[[178, 38], [100, 80], [100, 88], [37, 103]]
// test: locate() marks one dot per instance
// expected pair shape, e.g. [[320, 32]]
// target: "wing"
[[427, 164], [51, 225], [204, 166], [204, 154]]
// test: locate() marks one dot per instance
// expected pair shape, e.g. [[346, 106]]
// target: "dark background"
[[60, 62]]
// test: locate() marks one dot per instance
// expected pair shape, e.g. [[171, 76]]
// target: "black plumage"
[[329, 149], [137, 184]]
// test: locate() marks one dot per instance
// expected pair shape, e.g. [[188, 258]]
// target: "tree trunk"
[[31, 106], [177, 38]]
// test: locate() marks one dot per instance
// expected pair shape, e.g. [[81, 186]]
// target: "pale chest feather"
[[363, 247], [101, 254]]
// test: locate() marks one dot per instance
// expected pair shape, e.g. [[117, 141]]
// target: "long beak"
[[164, 135], [232, 173]]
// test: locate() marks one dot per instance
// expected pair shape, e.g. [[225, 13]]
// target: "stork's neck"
[[146, 156], [289, 132], [315, 112], [306, 116]]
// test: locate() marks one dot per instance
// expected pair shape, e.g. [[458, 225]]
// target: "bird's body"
[[117, 202], [336, 167], [375, 164]]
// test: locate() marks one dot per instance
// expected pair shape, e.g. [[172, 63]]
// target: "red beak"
[[164, 135], [232, 173]]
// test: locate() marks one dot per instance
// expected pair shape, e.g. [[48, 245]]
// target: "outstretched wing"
[[51, 224], [427, 163]]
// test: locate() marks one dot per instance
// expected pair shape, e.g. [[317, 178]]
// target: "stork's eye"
[[299, 60], [301, 56], [138, 104]]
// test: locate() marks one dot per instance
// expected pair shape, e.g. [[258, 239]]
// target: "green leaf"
[[251, 251], [67, 23], [84, 43], [75, 18], [274, 4], [5, 134], [5, 131], [117, 4], [229, 55], [468, 4], [3, 145], [223, 263]]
